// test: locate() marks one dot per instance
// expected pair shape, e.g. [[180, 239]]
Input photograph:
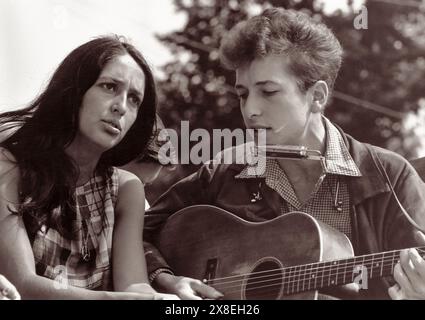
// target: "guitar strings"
[[292, 272], [286, 290], [273, 272], [315, 280], [286, 285], [325, 264], [289, 287], [290, 281]]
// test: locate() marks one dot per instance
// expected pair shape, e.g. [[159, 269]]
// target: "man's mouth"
[[259, 128]]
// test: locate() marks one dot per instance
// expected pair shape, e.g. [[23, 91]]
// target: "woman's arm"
[[16, 255], [129, 265]]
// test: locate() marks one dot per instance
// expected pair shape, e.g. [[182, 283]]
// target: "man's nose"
[[252, 107]]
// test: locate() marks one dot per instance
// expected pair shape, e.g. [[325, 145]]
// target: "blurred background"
[[379, 95]]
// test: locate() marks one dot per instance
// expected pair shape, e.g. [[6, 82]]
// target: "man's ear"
[[319, 94]]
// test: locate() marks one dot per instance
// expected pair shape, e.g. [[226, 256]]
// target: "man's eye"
[[269, 93], [242, 96]]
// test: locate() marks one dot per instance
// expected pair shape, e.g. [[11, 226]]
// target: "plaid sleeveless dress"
[[85, 260]]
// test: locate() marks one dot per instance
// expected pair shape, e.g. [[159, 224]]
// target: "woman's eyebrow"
[[121, 82]]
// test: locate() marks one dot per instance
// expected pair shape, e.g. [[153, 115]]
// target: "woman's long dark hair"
[[49, 124]]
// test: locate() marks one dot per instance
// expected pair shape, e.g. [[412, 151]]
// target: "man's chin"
[[261, 136]]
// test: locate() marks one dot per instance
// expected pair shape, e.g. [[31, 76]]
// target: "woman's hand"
[[8, 290], [409, 273], [186, 288]]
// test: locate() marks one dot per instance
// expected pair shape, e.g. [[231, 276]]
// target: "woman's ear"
[[319, 93]]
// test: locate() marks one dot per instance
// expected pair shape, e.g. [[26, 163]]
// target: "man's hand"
[[8, 290], [186, 288], [409, 274], [151, 294]]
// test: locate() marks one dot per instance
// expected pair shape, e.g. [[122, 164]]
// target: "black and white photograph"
[[240, 151]]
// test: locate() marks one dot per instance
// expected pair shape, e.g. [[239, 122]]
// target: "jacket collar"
[[371, 182]]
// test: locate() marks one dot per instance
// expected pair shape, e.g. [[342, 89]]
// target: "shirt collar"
[[338, 159]]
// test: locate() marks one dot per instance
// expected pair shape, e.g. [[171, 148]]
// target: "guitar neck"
[[339, 272]]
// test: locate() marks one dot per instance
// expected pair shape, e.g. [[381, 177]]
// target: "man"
[[286, 65], [419, 165], [156, 177]]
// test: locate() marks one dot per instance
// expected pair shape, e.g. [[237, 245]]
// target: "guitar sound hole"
[[265, 281]]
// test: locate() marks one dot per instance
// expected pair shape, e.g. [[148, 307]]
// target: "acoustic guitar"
[[289, 257]]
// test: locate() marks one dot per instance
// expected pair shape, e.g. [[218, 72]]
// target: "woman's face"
[[110, 106]]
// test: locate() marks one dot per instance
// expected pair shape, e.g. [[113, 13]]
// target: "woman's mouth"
[[112, 127]]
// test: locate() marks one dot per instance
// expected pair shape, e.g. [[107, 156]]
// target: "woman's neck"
[[86, 162]]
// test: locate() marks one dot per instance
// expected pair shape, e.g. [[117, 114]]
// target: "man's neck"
[[307, 171], [314, 136]]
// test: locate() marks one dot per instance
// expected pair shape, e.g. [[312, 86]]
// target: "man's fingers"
[[418, 262], [165, 296], [192, 289], [188, 294], [401, 278], [184, 289], [412, 266], [417, 273], [396, 293], [206, 291]]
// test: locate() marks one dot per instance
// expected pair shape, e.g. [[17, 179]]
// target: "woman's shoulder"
[[125, 176], [6, 155], [131, 192], [7, 161], [9, 181]]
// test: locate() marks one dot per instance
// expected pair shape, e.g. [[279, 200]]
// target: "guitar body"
[[243, 259]]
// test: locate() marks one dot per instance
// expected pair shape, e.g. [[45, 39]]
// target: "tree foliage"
[[383, 66]]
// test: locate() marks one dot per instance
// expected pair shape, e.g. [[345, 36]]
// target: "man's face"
[[271, 99]]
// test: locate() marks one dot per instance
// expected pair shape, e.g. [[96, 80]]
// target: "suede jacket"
[[377, 221]]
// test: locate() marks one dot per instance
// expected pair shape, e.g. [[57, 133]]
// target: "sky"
[[37, 34]]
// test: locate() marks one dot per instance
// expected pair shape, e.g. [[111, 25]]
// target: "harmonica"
[[287, 152]]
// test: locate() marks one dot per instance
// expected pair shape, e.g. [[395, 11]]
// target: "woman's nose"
[[119, 104]]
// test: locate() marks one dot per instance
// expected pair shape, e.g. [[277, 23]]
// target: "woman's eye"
[[109, 86], [135, 100]]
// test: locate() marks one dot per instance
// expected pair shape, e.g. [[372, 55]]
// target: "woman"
[[70, 221], [8, 290]]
